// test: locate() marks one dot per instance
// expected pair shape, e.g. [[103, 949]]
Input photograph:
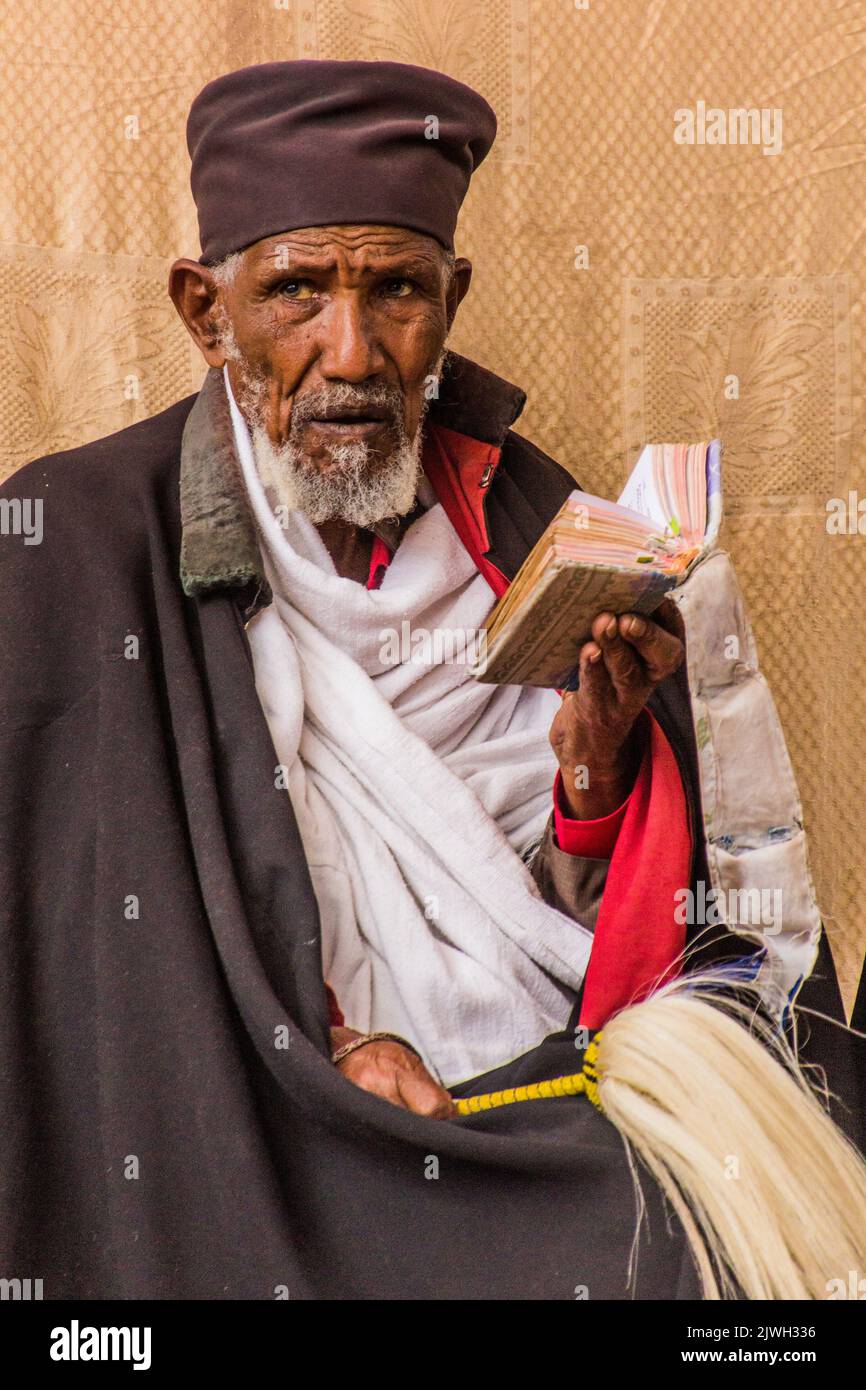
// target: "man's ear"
[[460, 278], [194, 293]]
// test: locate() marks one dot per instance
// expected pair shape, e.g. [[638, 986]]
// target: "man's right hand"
[[395, 1073]]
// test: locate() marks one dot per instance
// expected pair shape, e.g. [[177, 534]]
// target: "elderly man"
[[256, 854], [328, 334]]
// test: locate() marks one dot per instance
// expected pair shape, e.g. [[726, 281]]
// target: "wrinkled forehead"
[[353, 251], [350, 243]]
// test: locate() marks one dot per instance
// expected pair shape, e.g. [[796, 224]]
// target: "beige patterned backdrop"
[[624, 279]]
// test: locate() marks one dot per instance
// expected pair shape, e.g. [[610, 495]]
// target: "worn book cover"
[[598, 555]]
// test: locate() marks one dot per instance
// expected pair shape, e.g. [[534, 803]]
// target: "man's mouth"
[[355, 421]]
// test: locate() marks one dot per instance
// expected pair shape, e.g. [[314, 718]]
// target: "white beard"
[[352, 489], [358, 487]]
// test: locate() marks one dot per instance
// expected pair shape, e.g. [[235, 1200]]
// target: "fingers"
[[660, 650], [626, 671], [594, 676], [422, 1095], [636, 653], [395, 1074]]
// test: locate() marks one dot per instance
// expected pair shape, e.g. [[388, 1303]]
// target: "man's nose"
[[350, 349]]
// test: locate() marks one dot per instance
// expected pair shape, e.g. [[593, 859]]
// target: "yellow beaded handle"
[[583, 1082]]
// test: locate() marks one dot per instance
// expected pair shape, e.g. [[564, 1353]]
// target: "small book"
[[599, 556]]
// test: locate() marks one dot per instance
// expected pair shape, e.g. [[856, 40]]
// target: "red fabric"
[[335, 1013], [459, 469], [380, 559], [637, 939], [593, 839]]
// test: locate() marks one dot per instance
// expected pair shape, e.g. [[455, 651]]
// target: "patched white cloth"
[[753, 819], [416, 789]]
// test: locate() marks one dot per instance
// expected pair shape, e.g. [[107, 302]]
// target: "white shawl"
[[416, 789]]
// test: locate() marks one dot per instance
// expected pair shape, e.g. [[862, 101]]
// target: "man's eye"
[[398, 289], [296, 289]]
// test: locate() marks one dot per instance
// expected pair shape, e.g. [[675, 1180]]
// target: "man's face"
[[332, 335]]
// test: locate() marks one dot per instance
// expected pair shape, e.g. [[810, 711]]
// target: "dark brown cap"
[[279, 146]]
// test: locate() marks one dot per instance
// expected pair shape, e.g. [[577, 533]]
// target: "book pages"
[[597, 556]]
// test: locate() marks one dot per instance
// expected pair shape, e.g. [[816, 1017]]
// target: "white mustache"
[[385, 402]]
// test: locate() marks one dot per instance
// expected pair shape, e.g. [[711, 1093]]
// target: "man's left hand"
[[386, 1069], [593, 733]]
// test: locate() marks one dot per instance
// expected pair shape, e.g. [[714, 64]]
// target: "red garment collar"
[[459, 469]]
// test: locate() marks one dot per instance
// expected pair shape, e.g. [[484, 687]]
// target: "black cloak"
[[171, 1124]]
